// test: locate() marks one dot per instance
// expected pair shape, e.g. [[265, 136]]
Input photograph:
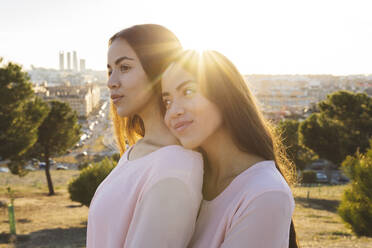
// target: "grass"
[[317, 222], [43, 221], [66, 159], [56, 221]]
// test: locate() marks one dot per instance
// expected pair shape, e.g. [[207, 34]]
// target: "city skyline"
[[260, 37], [76, 66]]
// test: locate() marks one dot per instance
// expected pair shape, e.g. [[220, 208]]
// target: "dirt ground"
[[56, 221], [42, 220]]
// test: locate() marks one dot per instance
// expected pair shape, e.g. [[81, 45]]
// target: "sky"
[[259, 36]]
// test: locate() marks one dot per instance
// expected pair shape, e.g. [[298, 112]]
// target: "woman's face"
[[190, 116], [128, 83]]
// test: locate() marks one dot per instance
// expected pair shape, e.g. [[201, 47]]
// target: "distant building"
[[95, 95], [82, 65], [75, 61], [61, 61], [68, 61], [293, 96], [82, 99], [41, 89], [283, 95]]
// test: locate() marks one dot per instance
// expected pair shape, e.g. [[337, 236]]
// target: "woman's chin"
[[189, 144], [123, 112]]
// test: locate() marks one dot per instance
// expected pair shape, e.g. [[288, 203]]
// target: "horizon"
[[246, 74], [267, 37]]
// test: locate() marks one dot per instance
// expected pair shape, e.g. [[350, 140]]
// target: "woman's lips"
[[116, 98], [181, 126]]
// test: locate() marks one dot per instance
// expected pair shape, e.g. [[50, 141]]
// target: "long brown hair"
[[156, 47], [223, 85]]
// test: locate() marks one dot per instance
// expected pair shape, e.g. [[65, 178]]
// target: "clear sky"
[[259, 36]]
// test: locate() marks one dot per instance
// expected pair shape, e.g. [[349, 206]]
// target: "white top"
[[152, 201], [254, 211]]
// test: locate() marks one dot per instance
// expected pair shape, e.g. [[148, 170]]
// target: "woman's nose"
[[177, 110], [113, 82]]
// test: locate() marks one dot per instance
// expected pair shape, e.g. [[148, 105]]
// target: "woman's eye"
[[124, 68], [189, 92], [167, 103]]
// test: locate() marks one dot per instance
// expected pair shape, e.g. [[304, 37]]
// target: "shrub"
[[98, 158], [83, 165], [356, 205], [115, 157], [308, 176], [82, 188]]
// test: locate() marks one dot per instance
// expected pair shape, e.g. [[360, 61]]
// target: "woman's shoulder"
[[263, 181], [177, 153], [263, 177], [174, 159], [176, 162]]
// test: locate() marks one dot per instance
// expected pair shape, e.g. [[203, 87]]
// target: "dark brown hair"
[[156, 47], [223, 85]]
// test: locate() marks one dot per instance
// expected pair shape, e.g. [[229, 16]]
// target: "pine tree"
[[58, 132], [21, 113], [342, 126]]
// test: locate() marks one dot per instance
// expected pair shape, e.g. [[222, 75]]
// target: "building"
[[280, 96], [69, 61], [283, 95], [61, 61], [82, 99], [75, 61], [82, 65], [95, 95]]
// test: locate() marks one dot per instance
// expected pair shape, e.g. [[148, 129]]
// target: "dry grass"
[[43, 221], [317, 221], [56, 221], [66, 159]]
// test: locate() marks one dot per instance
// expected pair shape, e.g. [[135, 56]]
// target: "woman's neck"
[[225, 159], [156, 132]]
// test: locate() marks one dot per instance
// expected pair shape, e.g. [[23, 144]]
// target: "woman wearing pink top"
[[152, 197], [247, 200]]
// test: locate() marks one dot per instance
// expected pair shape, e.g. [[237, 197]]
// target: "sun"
[[199, 49], [197, 45]]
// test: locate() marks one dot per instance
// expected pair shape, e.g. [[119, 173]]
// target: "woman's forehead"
[[175, 72], [119, 48]]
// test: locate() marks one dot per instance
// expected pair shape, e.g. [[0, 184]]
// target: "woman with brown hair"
[[247, 199], [138, 204]]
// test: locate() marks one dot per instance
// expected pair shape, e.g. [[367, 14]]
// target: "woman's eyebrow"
[[119, 60], [184, 83]]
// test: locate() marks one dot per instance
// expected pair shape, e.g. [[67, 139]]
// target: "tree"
[[342, 126], [82, 188], [58, 132], [21, 113], [323, 136], [354, 110], [356, 206], [299, 154]]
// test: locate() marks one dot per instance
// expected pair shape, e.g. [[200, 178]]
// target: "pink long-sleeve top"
[[152, 201], [254, 211]]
